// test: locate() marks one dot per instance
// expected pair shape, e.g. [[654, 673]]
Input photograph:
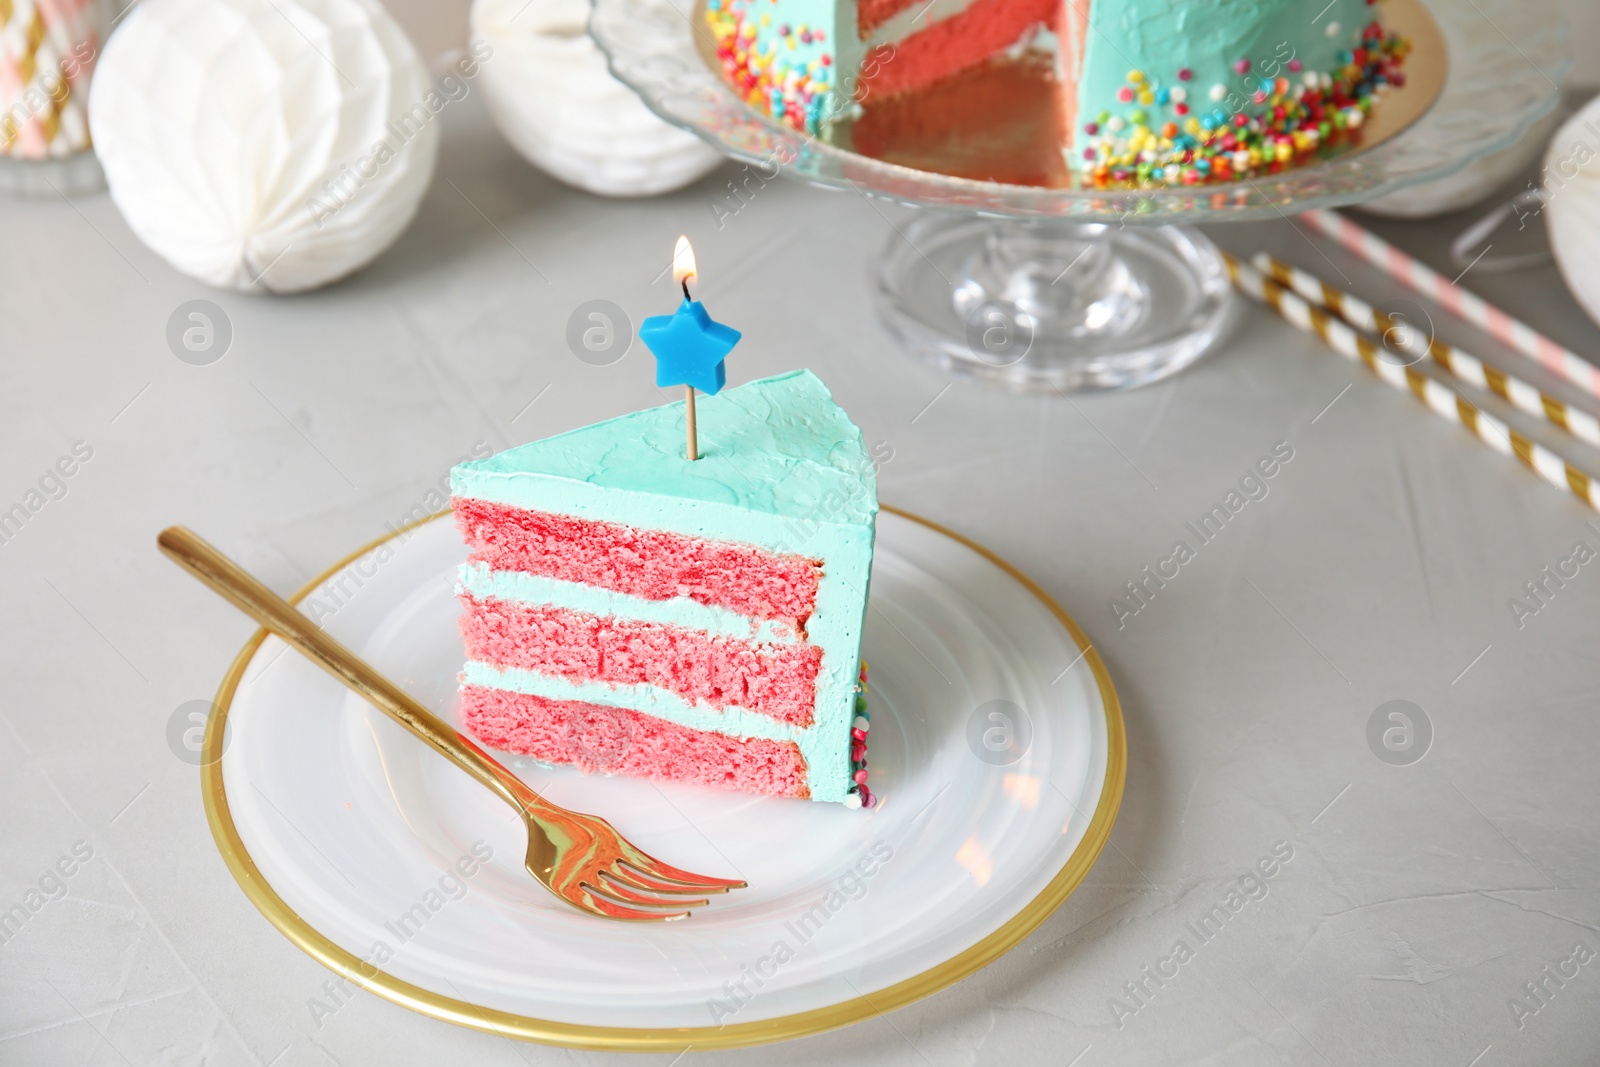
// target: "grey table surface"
[[1420, 901]]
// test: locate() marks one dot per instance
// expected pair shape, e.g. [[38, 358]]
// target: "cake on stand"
[[1048, 284]]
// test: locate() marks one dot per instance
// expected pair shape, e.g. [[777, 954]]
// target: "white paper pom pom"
[[264, 144], [551, 94], [1572, 204]]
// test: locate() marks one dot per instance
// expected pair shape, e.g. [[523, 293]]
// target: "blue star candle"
[[689, 345]]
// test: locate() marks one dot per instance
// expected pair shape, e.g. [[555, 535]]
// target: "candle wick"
[[686, 295]]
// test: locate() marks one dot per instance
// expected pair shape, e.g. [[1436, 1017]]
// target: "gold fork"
[[580, 858]]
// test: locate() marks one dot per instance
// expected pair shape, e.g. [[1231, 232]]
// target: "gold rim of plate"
[[631, 1039], [1426, 69]]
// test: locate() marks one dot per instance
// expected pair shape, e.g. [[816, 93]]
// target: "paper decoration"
[[1572, 204], [264, 145], [551, 94]]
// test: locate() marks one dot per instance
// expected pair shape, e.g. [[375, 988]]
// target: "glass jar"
[[48, 49]]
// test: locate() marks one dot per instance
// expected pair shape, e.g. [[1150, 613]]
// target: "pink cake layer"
[[652, 564], [958, 42], [619, 741], [870, 14], [775, 680]]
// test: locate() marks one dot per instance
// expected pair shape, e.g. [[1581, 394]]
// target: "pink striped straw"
[[1467, 306]]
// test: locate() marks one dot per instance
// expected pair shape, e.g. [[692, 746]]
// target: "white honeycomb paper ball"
[[551, 94], [1572, 204], [264, 145]]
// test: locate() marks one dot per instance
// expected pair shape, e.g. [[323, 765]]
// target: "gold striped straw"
[[1439, 398], [1460, 302], [1406, 337]]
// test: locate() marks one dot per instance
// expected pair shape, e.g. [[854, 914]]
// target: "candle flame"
[[683, 261]]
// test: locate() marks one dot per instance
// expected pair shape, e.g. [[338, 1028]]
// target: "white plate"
[[344, 830]]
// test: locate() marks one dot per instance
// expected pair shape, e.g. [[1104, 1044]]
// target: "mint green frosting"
[[781, 467], [1160, 37], [777, 447]]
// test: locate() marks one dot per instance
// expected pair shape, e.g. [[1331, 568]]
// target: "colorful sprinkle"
[[778, 69], [1184, 74], [1265, 126], [860, 796]]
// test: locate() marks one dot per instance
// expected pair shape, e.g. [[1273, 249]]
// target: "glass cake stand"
[[1078, 288]]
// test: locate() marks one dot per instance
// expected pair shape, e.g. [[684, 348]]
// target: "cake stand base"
[[1043, 305]]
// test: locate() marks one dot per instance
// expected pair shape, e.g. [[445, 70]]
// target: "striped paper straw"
[[1464, 365], [1439, 398], [1560, 361], [42, 111]]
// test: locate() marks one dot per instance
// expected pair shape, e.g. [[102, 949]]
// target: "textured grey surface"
[[1419, 899]]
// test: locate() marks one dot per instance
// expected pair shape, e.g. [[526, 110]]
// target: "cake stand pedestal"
[[1077, 288], [1047, 303]]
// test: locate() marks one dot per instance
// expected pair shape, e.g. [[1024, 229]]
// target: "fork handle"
[[245, 592]]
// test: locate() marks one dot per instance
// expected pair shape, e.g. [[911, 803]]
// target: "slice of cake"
[[1150, 91], [627, 610]]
